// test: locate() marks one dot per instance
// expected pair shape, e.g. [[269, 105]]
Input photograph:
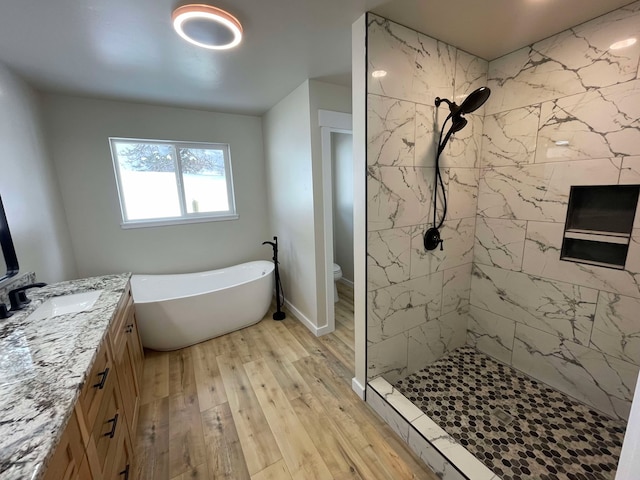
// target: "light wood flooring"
[[268, 402]]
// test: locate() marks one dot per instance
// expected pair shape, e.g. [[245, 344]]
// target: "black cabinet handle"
[[125, 472], [114, 423], [129, 328], [100, 384]]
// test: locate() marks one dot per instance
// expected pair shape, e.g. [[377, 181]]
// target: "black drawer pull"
[[129, 328], [100, 385], [125, 472], [114, 423]]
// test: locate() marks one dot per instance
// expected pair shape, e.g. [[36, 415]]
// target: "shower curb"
[[439, 450]]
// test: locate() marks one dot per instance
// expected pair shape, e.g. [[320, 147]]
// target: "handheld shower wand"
[[470, 104], [279, 314]]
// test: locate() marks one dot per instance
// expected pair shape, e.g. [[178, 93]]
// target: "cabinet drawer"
[[110, 425], [67, 459], [101, 375], [118, 329]]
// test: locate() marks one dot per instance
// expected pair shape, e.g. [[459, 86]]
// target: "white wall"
[[28, 186], [287, 148], [342, 172], [78, 130]]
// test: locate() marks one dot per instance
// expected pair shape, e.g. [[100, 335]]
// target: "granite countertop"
[[43, 366]]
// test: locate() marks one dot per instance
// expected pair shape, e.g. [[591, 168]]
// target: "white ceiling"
[[126, 49]]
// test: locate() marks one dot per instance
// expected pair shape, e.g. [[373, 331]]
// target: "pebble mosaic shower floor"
[[518, 427]]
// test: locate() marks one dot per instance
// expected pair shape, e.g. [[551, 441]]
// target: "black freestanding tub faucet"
[[279, 314]]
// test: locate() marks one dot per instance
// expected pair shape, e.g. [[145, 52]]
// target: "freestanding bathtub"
[[175, 311]]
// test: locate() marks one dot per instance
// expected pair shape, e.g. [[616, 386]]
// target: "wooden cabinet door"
[[66, 460], [109, 427], [123, 463]]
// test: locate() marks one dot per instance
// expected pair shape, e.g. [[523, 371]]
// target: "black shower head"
[[470, 104], [475, 100], [458, 123]]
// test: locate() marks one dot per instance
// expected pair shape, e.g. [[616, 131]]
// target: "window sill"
[[177, 221]]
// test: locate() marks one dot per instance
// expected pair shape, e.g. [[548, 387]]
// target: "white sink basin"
[[56, 306]]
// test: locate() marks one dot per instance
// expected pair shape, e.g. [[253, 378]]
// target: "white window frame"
[[185, 217]]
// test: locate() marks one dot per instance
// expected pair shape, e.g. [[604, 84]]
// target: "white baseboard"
[[357, 387], [349, 283], [317, 331]]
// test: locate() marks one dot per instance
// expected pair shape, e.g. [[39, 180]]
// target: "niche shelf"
[[599, 224]]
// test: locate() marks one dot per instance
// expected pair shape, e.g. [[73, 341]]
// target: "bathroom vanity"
[[70, 384]]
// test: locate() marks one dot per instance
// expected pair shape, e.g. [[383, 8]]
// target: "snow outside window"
[[164, 183]]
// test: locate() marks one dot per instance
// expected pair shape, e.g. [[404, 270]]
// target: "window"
[[163, 183]]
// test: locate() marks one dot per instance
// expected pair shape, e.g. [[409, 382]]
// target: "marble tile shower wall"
[[573, 326], [417, 302]]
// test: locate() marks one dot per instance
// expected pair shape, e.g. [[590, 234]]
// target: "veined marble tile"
[[471, 74], [434, 459], [563, 309], [388, 357], [428, 124], [388, 257], [456, 286], [539, 191], [616, 328], [392, 48], [457, 247], [542, 258], [390, 131], [399, 196], [599, 380], [499, 242], [392, 418], [567, 63], [630, 171], [431, 340], [596, 124], [491, 333], [400, 307], [509, 138], [462, 199], [396, 399], [419, 68]]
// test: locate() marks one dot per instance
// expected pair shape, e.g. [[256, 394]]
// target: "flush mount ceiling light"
[[207, 26], [623, 44]]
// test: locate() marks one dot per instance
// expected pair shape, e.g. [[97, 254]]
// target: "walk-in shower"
[[493, 357]]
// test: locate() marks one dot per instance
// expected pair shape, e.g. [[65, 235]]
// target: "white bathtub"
[[175, 311]]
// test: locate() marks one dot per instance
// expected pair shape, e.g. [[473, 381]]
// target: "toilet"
[[337, 275]]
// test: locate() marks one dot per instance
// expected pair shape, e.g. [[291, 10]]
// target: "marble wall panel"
[[596, 124], [381, 406], [471, 74], [391, 131], [388, 257], [388, 358], [457, 247], [400, 307], [568, 63], [399, 196], [462, 198], [542, 258], [539, 192], [419, 68], [630, 172], [456, 285], [616, 329], [431, 340], [509, 138], [599, 380], [499, 242], [491, 333], [562, 309]]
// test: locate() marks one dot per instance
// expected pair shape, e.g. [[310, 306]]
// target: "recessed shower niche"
[[599, 224]]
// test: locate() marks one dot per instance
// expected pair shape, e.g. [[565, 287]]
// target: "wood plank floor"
[[269, 402]]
